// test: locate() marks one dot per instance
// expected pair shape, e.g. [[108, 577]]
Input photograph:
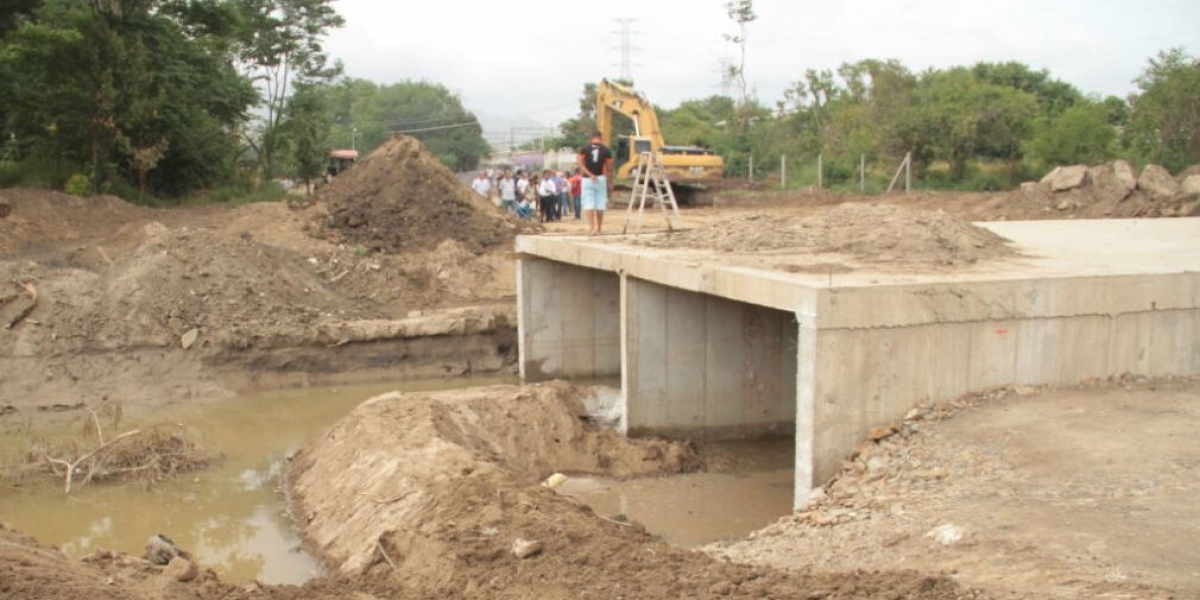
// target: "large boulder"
[[1066, 178], [1190, 188], [1157, 182], [1112, 182], [1038, 192]]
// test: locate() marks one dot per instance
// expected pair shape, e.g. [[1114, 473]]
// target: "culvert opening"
[[744, 486]]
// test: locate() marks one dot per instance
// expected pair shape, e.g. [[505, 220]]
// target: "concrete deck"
[[711, 345]]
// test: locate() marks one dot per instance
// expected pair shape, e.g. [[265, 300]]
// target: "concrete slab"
[[712, 342]]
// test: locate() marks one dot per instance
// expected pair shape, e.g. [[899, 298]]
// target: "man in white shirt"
[[481, 185]]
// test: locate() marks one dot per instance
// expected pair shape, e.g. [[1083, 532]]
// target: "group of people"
[[548, 197]]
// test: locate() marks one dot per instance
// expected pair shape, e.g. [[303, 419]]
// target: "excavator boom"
[[691, 164]]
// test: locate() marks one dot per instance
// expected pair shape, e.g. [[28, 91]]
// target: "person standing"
[[596, 161], [576, 182], [482, 185], [508, 192], [562, 190], [547, 198]]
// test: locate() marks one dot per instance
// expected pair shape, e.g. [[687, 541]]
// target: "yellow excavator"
[[688, 168]]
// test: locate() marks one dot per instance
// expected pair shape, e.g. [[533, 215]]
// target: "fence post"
[[783, 171], [862, 173], [820, 172], [751, 168], [907, 172]]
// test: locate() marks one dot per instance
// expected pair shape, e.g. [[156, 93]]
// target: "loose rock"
[[523, 548]]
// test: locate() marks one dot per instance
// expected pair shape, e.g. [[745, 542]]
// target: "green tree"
[[953, 116], [1081, 135], [280, 44], [1164, 121], [1054, 96], [306, 126], [122, 91], [370, 114]]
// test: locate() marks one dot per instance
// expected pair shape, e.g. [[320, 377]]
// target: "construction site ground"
[[1083, 492]]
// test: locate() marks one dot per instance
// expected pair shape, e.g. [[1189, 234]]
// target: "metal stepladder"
[[650, 181]]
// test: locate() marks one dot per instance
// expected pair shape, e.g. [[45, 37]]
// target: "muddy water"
[[232, 518], [696, 509]]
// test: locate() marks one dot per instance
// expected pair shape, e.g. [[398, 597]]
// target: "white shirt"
[[482, 186], [508, 189], [546, 187]]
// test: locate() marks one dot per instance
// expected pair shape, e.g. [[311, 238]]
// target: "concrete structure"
[[714, 346]]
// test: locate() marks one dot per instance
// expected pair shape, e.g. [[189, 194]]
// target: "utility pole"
[[625, 32]]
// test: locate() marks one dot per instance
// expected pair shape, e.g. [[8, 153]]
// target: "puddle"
[[231, 518], [695, 509]]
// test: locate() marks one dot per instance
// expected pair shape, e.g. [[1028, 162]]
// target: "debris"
[[28, 308], [181, 569], [523, 548], [946, 535], [880, 433], [161, 550], [554, 480], [189, 339]]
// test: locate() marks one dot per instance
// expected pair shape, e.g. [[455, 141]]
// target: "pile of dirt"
[[438, 495], [871, 233], [42, 222], [400, 198], [125, 294]]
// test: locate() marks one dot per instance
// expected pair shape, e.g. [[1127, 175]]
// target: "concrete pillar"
[[569, 321], [704, 367]]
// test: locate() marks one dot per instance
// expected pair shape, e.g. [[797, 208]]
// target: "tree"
[[128, 91], [1054, 96], [370, 114], [280, 45], [307, 126], [953, 116], [1164, 121], [742, 13], [1081, 135]]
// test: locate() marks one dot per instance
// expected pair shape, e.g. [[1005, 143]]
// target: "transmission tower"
[[625, 31]]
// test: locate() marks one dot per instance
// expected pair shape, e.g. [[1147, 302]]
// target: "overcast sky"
[[531, 58]]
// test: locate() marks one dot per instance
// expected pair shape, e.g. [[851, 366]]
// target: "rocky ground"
[[1080, 493]]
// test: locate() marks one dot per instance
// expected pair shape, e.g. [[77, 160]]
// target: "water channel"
[[233, 517]]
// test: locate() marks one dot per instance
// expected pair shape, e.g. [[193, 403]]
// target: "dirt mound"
[[434, 494], [873, 233], [400, 198], [42, 220]]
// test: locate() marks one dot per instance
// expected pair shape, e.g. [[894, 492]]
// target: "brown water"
[[231, 518], [699, 508]]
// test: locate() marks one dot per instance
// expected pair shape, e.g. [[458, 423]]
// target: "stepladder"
[[650, 185]]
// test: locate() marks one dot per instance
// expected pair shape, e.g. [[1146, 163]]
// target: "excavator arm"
[[682, 163]]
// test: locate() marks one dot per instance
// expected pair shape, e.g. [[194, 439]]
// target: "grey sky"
[[531, 58]]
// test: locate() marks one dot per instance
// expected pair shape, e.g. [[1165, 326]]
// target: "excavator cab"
[[627, 151]]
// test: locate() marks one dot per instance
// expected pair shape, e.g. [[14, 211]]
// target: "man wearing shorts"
[[596, 160]]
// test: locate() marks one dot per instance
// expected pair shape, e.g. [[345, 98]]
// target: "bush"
[[78, 185]]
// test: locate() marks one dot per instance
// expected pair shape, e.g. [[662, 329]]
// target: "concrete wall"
[[699, 366], [860, 377], [569, 321]]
